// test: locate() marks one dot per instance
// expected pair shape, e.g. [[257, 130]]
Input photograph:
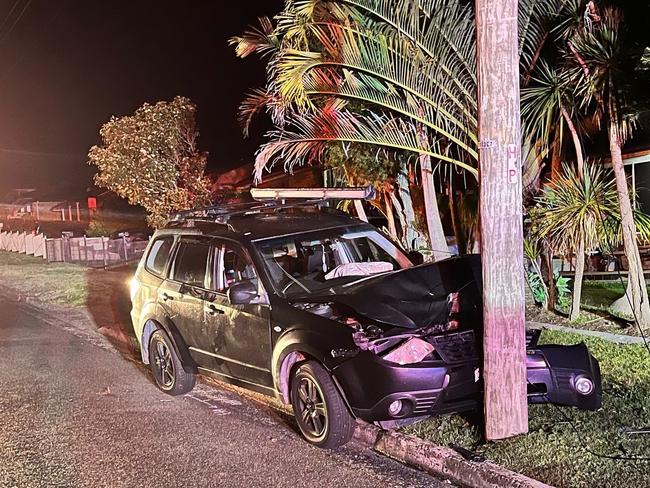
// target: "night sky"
[[68, 65]]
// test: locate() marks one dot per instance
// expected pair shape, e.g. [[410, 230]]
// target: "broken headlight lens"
[[411, 351]]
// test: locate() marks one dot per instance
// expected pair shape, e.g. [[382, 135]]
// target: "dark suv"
[[324, 312]]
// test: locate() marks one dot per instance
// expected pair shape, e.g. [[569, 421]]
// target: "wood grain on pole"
[[504, 371]]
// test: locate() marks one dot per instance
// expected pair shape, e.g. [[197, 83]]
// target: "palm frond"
[[535, 23], [429, 24], [611, 67], [392, 61], [312, 131], [541, 102], [255, 102], [370, 91], [582, 206], [404, 66], [262, 39]]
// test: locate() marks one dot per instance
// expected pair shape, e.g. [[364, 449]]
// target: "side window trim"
[[220, 251], [213, 268]]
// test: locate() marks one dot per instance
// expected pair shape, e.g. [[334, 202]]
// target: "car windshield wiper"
[[295, 282]]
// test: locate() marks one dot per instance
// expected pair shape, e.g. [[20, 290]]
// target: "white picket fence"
[[91, 251], [24, 243]]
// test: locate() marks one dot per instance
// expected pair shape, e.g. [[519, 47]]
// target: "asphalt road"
[[73, 414]]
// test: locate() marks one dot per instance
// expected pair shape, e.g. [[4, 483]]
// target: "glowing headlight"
[[412, 351], [133, 285]]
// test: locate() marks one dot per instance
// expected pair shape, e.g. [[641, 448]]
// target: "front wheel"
[[166, 366], [321, 414]]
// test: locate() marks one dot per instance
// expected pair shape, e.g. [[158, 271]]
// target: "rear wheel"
[[166, 366], [321, 413]]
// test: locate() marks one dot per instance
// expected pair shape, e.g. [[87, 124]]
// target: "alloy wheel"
[[163, 365], [311, 407]]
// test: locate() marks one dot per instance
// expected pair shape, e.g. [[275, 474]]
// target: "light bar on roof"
[[367, 193]]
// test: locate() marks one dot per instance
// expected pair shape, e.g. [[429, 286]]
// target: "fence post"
[[103, 250], [126, 254]]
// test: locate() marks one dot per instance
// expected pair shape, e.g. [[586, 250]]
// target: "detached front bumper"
[[370, 384], [557, 373]]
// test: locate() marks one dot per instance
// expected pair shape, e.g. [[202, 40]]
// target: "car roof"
[[264, 225]]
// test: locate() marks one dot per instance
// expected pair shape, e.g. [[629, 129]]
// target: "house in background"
[[235, 184], [638, 171]]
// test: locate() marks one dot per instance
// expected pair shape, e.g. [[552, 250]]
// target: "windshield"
[[302, 264]]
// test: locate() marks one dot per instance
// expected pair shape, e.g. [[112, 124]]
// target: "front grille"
[[455, 348], [424, 404]]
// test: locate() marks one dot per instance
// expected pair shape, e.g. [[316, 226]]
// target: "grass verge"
[[597, 297], [60, 283], [552, 452]]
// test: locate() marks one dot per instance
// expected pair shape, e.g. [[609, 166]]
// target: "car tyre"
[[166, 366], [322, 415]]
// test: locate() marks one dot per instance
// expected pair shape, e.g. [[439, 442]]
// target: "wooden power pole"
[[504, 364]]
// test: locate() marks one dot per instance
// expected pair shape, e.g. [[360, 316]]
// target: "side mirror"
[[416, 257], [242, 293]]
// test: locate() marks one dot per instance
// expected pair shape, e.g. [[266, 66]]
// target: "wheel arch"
[[152, 324], [294, 348]]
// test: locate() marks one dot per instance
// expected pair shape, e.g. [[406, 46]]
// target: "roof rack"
[[273, 199], [358, 193]]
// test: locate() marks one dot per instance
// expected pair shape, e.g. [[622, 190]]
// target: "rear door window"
[[158, 255], [191, 262]]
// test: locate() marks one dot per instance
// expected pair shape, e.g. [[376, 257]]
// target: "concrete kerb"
[[428, 457], [607, 336], [441, 461]]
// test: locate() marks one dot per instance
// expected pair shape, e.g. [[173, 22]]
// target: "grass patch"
[[597, 298], [552, 451], [599, 295], [60, 283]]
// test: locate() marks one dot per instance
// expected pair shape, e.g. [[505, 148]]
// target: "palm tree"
[[578, 213], [609, 71], [547, 104], [403, 74], [392, 70]]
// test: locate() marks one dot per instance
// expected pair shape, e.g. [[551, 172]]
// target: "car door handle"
[[212, 310], [166, 296]]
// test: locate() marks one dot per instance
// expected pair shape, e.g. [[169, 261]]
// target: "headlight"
[[134, 286], [411, 351]]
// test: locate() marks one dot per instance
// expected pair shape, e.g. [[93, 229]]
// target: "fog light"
[[583, 385], [395, 408]]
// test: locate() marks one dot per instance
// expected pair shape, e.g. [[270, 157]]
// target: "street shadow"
[[109, 304]]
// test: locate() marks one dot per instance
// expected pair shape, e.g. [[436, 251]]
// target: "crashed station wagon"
[[303, 302]]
